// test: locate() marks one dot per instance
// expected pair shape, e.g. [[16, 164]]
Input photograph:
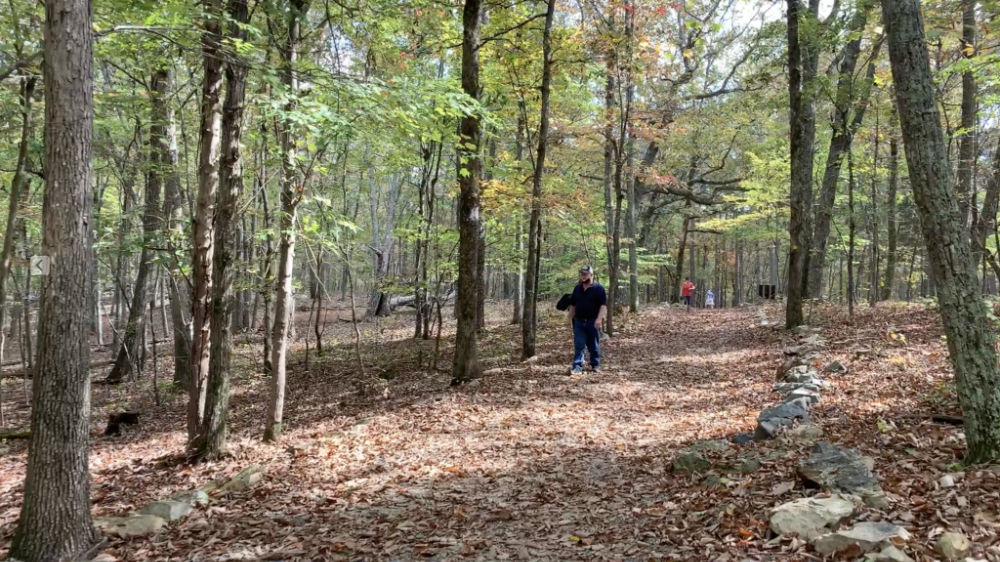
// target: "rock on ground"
[[129, 525], [866, 537], [888, 554], [952, 546], [839, 469], [167, 510], [690, 462], [243, 480], [808, 518]]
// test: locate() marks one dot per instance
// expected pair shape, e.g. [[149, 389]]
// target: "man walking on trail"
[[587, 309], [687, 289]]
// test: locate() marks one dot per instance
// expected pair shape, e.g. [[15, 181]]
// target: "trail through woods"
[[529, 463]]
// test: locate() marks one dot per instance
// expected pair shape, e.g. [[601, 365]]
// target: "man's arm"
[[570, 312]]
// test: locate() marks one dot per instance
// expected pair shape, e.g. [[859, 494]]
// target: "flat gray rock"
[[867, 536], [809, 396], [243, 480], [839, 469], [772, 420], [129, 525], [167, 510], [808, 518]]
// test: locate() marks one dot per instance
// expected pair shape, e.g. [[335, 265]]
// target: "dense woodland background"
[[263, 173]]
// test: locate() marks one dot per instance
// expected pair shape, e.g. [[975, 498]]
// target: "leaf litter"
[[531, 464]]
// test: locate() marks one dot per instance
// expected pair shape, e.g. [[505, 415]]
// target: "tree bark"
[[130, 352], [890, 210], [802, 63], [17, 187], [163, 140], [55, 521], [848, 93], [466, 363], [212, 439], [204, 237], [967, 149], [970, 337], [291, 195], [529, 325]]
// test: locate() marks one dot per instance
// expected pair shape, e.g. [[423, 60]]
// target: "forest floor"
[[530, 463]]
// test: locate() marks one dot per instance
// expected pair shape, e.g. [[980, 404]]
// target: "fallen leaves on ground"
[[530, 463]]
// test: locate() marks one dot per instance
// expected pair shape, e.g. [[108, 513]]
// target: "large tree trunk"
[[466, 364], [212, 440], [55, 522], [890, 210], [208, 186], [970, 337], [291, 195], [848, 93], [802, 61], [967, 149], [529, 325]]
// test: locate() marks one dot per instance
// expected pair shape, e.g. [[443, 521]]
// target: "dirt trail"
[[527, 463]]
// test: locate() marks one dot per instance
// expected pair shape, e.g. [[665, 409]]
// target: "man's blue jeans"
[[585, 334]]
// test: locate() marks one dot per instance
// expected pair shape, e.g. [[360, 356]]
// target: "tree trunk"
[[204, 237], [529, 326], [970, 337], [848, 93], [291, 195], [466, 364], [130, 352], [802, 61], [851, 229], [55, 521], [609, 154], [163, 140], [967, 149], [17, 188], [679, 276], [890, 210], [212, 441]]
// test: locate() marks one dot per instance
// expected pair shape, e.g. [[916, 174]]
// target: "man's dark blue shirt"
[[588, 303]]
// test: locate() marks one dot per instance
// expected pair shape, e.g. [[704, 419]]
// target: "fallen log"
[[945, 418], [15, 434]]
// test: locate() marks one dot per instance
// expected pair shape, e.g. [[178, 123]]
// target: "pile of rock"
[[845, 477], [154, 516]]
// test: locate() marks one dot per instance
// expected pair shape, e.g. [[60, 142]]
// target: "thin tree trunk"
[[212, 441], [967, 149], [284, 304], [971, 343], [17, 188], [848, 93], [466, 363], [55, 521], [890, 210], [851, 229], [130, 352], [204, 236], [529, 326]]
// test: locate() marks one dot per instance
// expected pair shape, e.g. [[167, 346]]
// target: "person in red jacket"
[[687, 289]]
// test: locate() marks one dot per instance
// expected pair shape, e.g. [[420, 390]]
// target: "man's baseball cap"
[[587, 269]]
